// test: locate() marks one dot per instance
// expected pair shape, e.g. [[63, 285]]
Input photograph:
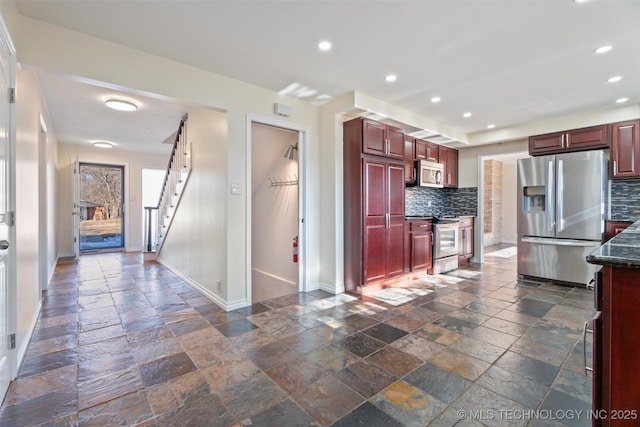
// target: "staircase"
[[159, 217]]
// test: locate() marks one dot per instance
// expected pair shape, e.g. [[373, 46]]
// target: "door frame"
[[303, 194], [478, 243], [9, 54]]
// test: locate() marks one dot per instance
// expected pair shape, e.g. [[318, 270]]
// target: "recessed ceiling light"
[[467, 114], [324, 46], [603, 49], [580, 1], [120, 105], [614, 79], [491, 126], [103, 144], [621, 100], [391, 78], [435, 99]]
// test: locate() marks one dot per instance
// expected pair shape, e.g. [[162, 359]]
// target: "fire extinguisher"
[[295, 249]]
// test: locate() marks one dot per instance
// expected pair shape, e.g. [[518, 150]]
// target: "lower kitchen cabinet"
[[616, 348], [613, 228], [465, 240], [421, 245]]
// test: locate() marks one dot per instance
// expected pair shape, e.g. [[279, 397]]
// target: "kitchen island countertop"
[[622, 251]]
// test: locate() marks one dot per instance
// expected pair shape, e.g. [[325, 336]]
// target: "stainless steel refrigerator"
[[561, 212]]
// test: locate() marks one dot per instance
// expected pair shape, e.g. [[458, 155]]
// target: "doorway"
[[274, 211], [151, 182], [101, 207], [498, 204]]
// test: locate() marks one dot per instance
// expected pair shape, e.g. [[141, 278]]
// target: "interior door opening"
[[275, 267], [101, 207]]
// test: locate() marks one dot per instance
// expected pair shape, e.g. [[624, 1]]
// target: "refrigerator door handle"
[[551, 182], [560, 199], [558, 242]]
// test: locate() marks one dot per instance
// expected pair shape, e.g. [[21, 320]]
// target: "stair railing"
[[158, 218]]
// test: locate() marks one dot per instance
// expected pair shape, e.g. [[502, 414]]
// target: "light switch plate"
[[236, 189]]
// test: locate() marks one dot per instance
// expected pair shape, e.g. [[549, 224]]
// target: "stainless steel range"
[[445, 245]]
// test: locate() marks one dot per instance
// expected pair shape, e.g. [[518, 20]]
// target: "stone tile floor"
[[121, 342]]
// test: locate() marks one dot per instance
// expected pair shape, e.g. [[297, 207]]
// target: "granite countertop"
[[622, 251]]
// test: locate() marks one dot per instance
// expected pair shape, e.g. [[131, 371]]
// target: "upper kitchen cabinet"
[[625, 150], [426, 151], [449, 158], [381, 139], [573, 140], [409, 156]]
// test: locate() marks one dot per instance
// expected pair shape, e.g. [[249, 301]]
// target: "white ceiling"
[[509, 62]]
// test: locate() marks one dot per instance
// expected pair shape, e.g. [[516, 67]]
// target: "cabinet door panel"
[[395, 190], [374, 135], [432, 152], [374, 250], [546, 143], [592, 137], [409, 156], [421, 251], [394, 251], [396, 143], [421, 150], [374, 189], [625, 150]]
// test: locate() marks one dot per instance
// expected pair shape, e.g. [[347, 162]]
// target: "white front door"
[[7, 231]]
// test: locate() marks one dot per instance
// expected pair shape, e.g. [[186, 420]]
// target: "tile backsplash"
[[625, 200], [441, 201]]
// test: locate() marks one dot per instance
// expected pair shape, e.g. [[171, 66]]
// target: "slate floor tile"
[[439, 383], [120, 341], [367, 415], [408, 404]]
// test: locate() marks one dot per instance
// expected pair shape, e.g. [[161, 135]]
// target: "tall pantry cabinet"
[[373, 206]]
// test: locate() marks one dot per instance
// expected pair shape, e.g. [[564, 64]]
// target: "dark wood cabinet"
[[381, 139], [409, 157], [426, 151], [625, 150], [421, 245], [374, 238], [616, 348], [449, 158], [465, 240], [572, 140], [612, 228]]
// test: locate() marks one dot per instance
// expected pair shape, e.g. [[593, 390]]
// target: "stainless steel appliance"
[[561, 212], [429, 174], [445, 245]]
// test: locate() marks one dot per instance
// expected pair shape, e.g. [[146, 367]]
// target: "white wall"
[[29, 107], [195, 243], [133, 163], [468, 159], [274, 208], [509, 202]]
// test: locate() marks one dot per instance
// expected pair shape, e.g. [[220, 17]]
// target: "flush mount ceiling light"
[[103, 144], [491, 126], [614, 79], [435, 99], [120, 105], [622, 100], [603, 49], [467, 115], [324, 46], [391, 78]]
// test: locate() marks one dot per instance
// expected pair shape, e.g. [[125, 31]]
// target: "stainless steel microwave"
[[429, 174]]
